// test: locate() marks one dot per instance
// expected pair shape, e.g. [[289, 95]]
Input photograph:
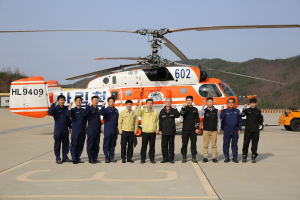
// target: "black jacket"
[[210, 122], [254, 118], [167, 121], [190, 116]]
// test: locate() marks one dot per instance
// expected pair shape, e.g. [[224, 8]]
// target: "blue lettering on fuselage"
[[101, 95]]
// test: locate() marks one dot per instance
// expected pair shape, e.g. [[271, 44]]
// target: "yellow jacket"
[[150, 121], [127, 122]]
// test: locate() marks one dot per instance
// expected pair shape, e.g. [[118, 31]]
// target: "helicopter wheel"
[[139, 133]]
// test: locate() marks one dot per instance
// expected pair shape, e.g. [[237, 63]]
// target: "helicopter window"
[[114, 80], [115, 94], [105, 80], [182, 90], [209, 90], [128, 93], [228, 91]]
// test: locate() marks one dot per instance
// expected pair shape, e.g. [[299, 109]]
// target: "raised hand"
[[203, 106], [222, 107], [71, 103], [55, 102], [245, 106], [103, 104], [140, 103], [184, 104], [88, 104], [174, 106]]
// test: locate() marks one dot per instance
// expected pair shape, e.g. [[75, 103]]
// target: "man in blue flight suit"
[[92, 113], [110, 118], [61, 132], [78, 132], [232, 130]]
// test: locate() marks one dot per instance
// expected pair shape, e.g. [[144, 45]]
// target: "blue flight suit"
[[61, 132], [93, 131], [233, 124], [78, 132], [110, 118]]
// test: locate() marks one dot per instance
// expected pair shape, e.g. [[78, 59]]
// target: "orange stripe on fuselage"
[[29, 108]]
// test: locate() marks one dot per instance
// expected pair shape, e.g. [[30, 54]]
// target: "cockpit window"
[[209, 90], [228, 91]]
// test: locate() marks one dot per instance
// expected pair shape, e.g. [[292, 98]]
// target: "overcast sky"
[[65, 54]]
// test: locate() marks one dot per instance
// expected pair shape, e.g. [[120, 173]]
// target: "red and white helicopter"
[[158, 79]]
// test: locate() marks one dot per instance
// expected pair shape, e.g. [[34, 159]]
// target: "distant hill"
[[7, 76], [269, 95]]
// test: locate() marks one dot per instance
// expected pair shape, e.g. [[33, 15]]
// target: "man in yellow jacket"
[[150, 125], [128, 126]]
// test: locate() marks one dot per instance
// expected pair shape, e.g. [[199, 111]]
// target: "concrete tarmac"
[[28, 169]]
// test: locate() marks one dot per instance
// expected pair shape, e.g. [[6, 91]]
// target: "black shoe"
[[226, 160], [215, 160], [142, 161], [112, 160], [172, 161], [67, 160], [92, 162], [152, 161], [97, 161], [130, 160], [107, 160], [123, 160], [194, 160], [164, 160], [75, 162], [79, 161], [183, 159], [244, 159], [235, 160], [253, 158], [58, 162], [204, 160]]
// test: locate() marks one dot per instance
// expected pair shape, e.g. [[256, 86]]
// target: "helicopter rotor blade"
[[123, 58], [24, 31], [234, 27], [103, 71], [262, 79], [173, 48]]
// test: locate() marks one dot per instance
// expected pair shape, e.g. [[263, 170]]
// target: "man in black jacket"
[[211, 128], [168, 130], [254, 118], [189, 128]]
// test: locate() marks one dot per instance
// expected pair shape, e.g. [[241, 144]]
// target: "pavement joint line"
[[103, 196], [25, 128], [21, 164], [210, 188]]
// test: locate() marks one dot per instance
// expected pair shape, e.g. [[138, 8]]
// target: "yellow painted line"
[[15, 167], [172, 175], [208, 188], [102, 196]]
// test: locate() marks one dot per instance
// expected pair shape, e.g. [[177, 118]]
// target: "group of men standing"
[[153, 123]]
